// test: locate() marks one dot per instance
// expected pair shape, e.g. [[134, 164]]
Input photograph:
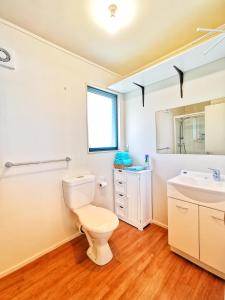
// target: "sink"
[[198, 186]]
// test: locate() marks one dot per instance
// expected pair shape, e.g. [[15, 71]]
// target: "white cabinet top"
[[134, 172]]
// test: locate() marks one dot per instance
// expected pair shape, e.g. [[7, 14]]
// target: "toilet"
[[96, 222]]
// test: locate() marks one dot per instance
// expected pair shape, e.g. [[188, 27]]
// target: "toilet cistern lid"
[[77, 180], [97, 219]]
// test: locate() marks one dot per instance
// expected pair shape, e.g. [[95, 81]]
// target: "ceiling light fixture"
[[112, 15], [112, 9]]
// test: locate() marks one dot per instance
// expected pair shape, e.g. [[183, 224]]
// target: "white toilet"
[[96, 222]]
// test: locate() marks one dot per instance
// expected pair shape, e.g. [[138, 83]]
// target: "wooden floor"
[[143, 268]]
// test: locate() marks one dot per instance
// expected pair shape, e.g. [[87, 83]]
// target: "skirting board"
[[160, 224], [36, 256]]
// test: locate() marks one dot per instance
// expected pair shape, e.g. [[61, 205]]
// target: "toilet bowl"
[[98, 225], [96, 222]]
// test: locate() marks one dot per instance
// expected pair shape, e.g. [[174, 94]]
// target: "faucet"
[[216, 174]]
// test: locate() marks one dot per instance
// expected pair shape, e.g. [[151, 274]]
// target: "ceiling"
[[157, 28]]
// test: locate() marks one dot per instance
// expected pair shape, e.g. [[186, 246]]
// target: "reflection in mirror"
[[193, 129]]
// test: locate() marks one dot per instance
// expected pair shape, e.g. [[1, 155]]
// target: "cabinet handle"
[[121, 195], [120, 182], [121, 206], [218, 219], [181, 207], [120, 171]]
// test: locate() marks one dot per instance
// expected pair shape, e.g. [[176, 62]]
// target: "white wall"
[[43, 116], [202, 84]]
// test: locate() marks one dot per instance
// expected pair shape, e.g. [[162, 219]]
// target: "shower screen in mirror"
[[193, 129]]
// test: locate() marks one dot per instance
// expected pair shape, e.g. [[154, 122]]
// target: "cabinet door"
[[183, 226], [133, 197], [212, 238]]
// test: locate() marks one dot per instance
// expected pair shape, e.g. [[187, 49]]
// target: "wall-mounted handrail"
[[165, 148], [10, 164]]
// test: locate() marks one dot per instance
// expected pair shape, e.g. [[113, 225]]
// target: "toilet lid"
[[97, 219]]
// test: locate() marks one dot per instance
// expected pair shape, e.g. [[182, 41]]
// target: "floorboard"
[[143, 267]]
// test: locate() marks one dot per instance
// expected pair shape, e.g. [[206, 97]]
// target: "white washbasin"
[[199, 186]]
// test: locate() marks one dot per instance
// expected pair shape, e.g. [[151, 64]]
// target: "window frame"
[[114, 98]]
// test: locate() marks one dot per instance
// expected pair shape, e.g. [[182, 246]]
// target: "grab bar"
[[10, 164], [165, 148]]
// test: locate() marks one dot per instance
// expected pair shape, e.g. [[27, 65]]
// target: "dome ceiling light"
[[112, 15], [112, 9]]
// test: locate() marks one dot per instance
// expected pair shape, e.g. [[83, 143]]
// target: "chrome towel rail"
[[165, 148], [10, 164]]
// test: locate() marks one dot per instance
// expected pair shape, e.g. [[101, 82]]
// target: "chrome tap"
[[215, 174]]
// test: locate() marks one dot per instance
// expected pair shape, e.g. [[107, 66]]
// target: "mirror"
[[193, 129]]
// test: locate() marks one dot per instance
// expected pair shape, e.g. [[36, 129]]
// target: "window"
[[102, 120]]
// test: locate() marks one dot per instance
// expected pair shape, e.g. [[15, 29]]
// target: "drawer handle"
[[218, 219], [121, 195], [120, 171], [120, 182], [181, 207], [121, 206]]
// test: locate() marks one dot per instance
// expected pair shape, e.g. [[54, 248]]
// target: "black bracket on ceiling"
[[181, 76], [143, 92]]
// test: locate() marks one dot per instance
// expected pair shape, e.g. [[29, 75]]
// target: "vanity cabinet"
[[132, 197], [197, 233]]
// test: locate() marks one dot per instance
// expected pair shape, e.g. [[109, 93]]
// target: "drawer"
[[120, 195], [121, 199], [121, 210], [119, 175], [120, 187]]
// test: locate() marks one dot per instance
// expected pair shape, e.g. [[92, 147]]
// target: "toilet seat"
[[97, 219]]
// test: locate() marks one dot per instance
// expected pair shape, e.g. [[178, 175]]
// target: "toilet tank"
[[79, 191]]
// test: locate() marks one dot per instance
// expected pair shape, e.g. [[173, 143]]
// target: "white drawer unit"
[[132, 196]]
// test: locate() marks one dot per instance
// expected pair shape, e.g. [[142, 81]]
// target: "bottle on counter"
[[146, 163]]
